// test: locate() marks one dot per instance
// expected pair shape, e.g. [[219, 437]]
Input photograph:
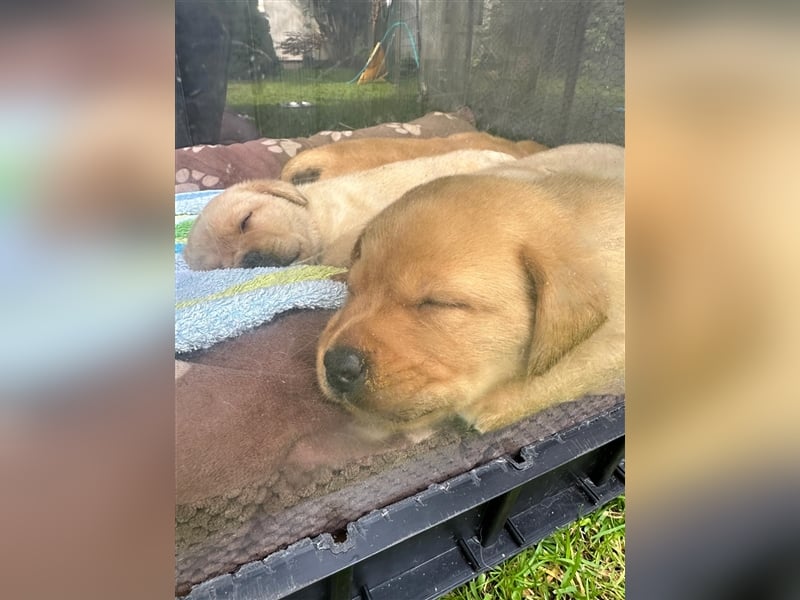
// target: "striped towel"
[[211, 306]]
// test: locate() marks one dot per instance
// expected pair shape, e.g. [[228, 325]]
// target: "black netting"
[[548, 70], [553, 71]]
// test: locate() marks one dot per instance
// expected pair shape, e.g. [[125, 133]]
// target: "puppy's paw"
[[483, 419], [485, 424], [494, 411]]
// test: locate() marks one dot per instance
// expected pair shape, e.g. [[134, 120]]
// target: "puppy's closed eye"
[[243, 224], [439, 303]]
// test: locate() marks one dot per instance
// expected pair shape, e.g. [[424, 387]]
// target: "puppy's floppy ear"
[[569, 305], [276, 187], [309, 175], [356, 253]]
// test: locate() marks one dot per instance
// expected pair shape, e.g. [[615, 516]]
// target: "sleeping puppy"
[[601, 160], [275, 223], [349, 156], [486, 296]]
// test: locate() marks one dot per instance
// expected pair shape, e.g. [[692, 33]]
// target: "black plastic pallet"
[[430, 543]]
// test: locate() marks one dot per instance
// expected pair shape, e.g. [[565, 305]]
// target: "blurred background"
[[712, 256], [90, 119], [86, 311]]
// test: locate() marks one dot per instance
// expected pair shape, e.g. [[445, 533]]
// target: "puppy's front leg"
[[594, 367], [502, 406]]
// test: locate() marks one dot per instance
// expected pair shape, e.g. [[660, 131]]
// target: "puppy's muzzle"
[[255, 258], [345, 371]]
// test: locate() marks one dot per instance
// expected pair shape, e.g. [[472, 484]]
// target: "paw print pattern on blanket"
[[200, 148], [337, 135], [405, 128], [192, 180], [278, 146]]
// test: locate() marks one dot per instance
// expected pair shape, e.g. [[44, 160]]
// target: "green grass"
[[504, 107], [302, 85], [584, 561], [337, 104]]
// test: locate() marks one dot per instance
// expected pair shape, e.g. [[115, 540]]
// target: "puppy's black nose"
[[345, 369]]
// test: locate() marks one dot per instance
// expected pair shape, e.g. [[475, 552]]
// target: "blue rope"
[[386, 35]]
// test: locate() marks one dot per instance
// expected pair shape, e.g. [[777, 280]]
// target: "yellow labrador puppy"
[[349, 156], [488, 296], [275, 223]]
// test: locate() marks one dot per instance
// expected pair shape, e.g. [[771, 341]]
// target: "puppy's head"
[[447, 300], [253, 224]]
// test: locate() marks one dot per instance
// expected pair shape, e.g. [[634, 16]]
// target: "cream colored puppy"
[[600, 160], [488, 296], [275, 223]]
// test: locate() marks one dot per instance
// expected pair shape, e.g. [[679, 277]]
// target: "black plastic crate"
[[434, 541]]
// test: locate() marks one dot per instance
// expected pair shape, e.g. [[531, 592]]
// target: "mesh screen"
[[548, 70], [553, 71]]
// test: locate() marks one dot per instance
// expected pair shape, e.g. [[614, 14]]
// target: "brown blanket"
[[262, 460]]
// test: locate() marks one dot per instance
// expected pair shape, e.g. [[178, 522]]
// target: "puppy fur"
[[349, 156], [275, 223], [487, 296], [600, 160]]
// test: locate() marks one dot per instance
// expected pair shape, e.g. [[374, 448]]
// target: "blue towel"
[[211, 306]]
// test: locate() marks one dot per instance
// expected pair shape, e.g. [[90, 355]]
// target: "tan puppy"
[[485, 296], [349, 156], [275, 223]]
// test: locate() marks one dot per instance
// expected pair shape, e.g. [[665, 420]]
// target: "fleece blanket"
[[263, 460], [211, 306]]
